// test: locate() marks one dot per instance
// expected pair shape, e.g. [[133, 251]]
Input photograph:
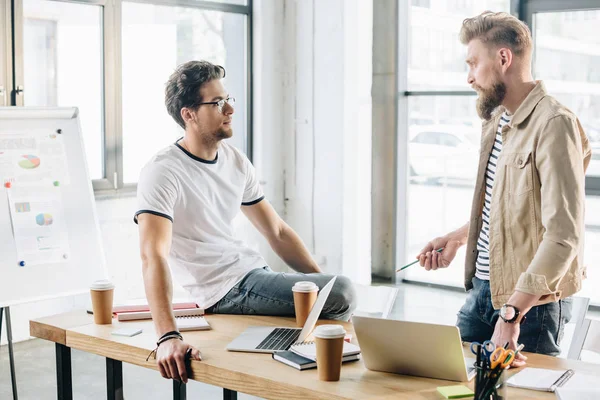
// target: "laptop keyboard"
[[280, 339]]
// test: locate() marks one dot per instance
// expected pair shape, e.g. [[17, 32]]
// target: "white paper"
[[580, 387], [577, 394], [38, 224], [33, 157]]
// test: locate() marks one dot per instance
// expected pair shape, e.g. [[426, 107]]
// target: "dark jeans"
[[264, 292], [541, 332]]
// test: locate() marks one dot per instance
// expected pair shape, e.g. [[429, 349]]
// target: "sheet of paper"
[[33, 157], [38, 224]]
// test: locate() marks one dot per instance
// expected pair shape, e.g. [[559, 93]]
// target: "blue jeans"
[[264, 292], [541, 332]]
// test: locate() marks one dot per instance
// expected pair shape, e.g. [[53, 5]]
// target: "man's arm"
[[155, 243], [283, 240]]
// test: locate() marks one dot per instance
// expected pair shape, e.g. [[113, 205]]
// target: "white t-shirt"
[[202, 198]]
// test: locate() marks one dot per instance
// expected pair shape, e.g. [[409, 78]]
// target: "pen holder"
[[489, 387]]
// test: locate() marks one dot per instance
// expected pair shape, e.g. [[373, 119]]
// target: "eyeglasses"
[[221, 103]]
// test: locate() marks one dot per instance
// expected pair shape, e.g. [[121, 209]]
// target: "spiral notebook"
[[309, 350], [546, 380], [192, 323]]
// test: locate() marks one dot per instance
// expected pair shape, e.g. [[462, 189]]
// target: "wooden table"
[[255, 374]]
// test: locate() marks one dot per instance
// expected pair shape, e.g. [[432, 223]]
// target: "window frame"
[[11, 75]]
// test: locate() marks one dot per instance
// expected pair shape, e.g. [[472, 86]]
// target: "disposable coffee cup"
[[102, 301], [329, 340], [305, 296]]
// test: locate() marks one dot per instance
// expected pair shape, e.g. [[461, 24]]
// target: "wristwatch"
[[510, 314]]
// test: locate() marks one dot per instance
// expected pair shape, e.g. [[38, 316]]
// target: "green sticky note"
[[455, 392]]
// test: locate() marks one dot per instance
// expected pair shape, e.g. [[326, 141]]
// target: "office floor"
[[36, 374]]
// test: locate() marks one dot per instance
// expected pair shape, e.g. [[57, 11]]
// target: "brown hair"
[[183, 87], [498, 29]]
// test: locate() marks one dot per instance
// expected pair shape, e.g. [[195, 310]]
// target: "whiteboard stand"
[[25, 128], [11, 357]]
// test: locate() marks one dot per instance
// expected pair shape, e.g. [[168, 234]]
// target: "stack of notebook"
[[142, 311], [304, 355]]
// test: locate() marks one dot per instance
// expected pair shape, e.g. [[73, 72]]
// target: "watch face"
[[508, 312]]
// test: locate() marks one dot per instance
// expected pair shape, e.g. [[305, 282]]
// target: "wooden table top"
[[259, 374]]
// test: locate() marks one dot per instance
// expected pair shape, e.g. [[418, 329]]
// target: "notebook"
[[577, 394], [194, 323], [579, 387], [546, 380], [294, 360], [137, 315], [146, 307], [309, 349]]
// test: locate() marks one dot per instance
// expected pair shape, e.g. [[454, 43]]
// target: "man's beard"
[[222, 133], [490, 99]]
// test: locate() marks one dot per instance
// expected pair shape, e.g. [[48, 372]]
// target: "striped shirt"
[[483, 242]]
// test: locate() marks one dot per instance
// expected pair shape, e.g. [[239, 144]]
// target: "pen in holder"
[[490, 365], [489, 386]]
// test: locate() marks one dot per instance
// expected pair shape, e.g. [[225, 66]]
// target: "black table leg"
[[179, 390], [64, 383], [229, 394], [114, 379]]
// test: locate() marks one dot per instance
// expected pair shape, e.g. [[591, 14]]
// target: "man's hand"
[[506, 332], [170, 358], [430, 259]]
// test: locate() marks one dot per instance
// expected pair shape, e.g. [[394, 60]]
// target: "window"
[[155, 40], [436, 57], [567, 58], [111, 59], [441, 182], [441, 173], [60, 71], [421, 3]]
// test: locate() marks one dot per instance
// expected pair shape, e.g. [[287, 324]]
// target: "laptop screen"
[[313, 317]]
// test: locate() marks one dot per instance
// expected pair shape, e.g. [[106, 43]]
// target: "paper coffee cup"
[[329, 340], [102, 301], [305, 296]]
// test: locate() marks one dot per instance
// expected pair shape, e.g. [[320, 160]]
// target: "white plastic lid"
[[329, 331], [305, 286], [102, 284]]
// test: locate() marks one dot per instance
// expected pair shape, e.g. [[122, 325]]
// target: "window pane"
[[62, 45], [237, 2], [436, 58], [443, 166], [155, 40], [567, 58]]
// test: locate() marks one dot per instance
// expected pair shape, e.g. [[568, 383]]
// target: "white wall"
[[312, 82], [327, 138]]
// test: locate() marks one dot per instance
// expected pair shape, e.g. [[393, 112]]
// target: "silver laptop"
[[262, 339], [413, 348]]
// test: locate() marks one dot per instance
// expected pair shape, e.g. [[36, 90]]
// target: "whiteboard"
[[85, 262]]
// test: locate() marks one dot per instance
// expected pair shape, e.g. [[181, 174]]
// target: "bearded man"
[[525, 235]]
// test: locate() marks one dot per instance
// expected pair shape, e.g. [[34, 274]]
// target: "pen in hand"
[[414, 262]]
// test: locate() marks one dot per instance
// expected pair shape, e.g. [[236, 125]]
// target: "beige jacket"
[[537, 209]]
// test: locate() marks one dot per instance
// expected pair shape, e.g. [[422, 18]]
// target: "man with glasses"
[[189, 194]]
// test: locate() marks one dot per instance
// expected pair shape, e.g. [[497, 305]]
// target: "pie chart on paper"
[[43, 219], [29, 162]]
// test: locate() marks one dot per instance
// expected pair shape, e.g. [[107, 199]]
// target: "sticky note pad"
[[455, 392]]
